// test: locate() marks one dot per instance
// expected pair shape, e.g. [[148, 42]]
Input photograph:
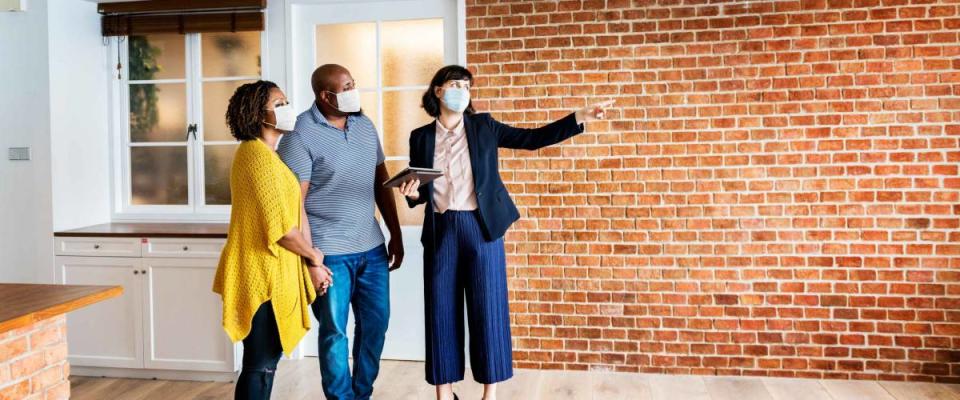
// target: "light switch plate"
[[13, 5], [19, 153]]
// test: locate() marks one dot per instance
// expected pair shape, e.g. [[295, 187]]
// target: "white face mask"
[[286, 117], [348, 101]]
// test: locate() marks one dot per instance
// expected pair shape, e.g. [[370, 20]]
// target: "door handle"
[[191, 130]]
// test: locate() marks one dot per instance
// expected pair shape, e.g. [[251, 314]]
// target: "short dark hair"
[[431, 104], [248, 109]]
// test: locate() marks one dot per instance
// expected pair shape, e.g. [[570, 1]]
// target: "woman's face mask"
[[285, 116], [456, 99]]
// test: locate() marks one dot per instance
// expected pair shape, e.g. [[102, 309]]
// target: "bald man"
[[335, 152]]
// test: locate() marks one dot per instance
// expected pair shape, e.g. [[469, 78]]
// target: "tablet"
[[425, 175]]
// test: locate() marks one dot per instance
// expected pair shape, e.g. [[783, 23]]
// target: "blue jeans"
[[361, 279]]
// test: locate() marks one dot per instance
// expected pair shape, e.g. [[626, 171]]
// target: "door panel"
[[392, 48], [106, 334], [183, 329]]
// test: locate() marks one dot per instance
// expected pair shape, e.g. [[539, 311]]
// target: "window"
[[176, 149], [392, 63]]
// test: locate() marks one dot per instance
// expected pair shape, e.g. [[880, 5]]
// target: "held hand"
[[321, 276], [594, 112], [395, 252], [322, 279], [410, 189]]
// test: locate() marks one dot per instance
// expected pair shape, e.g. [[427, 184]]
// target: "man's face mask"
[[348, 101]]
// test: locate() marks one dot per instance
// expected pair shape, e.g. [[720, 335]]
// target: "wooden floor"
[[404, 380]]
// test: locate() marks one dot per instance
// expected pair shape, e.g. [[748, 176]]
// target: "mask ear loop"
[[274, 115], [337, 106]]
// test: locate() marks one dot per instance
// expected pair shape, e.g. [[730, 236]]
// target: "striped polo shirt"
[[340, 166]]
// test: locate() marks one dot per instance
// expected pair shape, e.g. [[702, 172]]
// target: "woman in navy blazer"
[[463, 228]]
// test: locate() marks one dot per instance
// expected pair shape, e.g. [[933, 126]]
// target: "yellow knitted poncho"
[[253, 267]]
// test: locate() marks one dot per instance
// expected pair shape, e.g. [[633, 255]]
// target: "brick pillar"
[[33, 362]]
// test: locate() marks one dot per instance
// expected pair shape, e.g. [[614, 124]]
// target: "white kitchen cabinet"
[[167, 323], [106, 334], [184, 332]]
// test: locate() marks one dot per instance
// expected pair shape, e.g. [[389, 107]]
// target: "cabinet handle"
[[185, 248], [96, 247], [135, 272], [143, 271]]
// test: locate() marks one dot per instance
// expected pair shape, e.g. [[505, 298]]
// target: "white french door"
[[392, 49]]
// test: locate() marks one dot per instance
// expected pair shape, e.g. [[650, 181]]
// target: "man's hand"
[[395, 252]]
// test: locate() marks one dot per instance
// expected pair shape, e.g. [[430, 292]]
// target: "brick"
[[27, 365], [60, 391], [47, 336], [15, 391], [13, 348], [46, 378]]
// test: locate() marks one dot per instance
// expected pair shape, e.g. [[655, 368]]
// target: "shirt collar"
[[319, 118], [457, 130]]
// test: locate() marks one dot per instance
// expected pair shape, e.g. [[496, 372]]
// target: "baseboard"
[[203, 376]]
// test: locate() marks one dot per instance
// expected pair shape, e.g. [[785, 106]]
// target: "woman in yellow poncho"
[[269, 271]]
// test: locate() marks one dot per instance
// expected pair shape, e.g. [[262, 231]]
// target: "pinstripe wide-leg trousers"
[[464, 266]]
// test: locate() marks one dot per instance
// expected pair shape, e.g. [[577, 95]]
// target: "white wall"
[[25, 212], [80, 137], [53, 100]]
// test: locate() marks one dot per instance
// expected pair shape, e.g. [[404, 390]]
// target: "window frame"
[[196, 209]]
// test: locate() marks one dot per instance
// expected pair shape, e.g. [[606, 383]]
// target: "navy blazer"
[[485, 136]]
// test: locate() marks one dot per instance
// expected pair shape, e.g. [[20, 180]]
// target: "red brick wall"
[[33, 362], [777, 193]]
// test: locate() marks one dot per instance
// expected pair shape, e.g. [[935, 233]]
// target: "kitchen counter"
[[33, 338], [157, 230], [25, 304]]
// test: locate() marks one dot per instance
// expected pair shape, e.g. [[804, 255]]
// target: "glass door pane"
[[160, 56], [354, 46], [158, 175], [158, 118], [217, 160], [158, 112], [216, 95], [227, 61], [411, 51], [230, 54], [401, 114]]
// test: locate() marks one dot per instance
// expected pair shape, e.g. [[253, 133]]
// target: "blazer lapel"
[[473, 146], [429, 144]]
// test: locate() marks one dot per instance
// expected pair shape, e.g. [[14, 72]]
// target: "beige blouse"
[[454, 190]]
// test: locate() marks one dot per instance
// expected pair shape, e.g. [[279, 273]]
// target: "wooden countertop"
[[164, 229], [25, 304]]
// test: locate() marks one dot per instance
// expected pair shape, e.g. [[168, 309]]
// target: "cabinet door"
[[109, 333], [183, 318]]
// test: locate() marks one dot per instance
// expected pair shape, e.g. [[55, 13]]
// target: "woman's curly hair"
[[248, 109]]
